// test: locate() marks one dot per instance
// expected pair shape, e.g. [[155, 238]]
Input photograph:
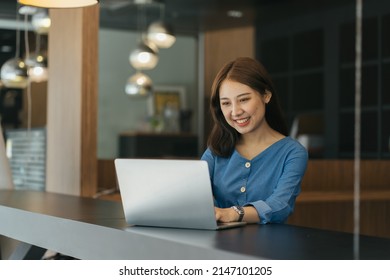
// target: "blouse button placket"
[[247, 166]]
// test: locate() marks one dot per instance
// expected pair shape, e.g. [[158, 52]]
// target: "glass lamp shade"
[[41, 21], [37, 70], [14, 73], [161, 34], [59, 3], [139, 85], [144, 57]]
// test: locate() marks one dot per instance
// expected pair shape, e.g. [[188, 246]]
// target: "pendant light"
[[139, 85], [145, 56], [161, 34], [14, 72], [59, 3], [41, 21], [37, 63], [37, 68]]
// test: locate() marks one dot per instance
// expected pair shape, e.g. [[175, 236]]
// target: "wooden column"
[[72, 101], [89, 104]]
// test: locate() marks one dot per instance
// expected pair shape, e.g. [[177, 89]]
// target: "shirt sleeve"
[[280, 204]]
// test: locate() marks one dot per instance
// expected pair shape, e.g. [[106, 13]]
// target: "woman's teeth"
[[240, 121]]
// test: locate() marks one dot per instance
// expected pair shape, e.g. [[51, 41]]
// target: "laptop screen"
[[166, 193]]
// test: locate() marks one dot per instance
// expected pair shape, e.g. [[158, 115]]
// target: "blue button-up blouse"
[[270, 182]]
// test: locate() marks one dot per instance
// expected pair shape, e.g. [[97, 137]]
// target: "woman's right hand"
[[226, 215]]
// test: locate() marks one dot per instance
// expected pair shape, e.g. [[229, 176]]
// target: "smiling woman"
[[255, 168], [249, 77]]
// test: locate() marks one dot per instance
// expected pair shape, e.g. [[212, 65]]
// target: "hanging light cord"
[[28, 93], [141, 21], [162, 11], [27, 48], [358, 70], [17, 52], [38, 43]]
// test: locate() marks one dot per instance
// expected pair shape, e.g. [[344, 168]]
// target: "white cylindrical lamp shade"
[[59, 3]]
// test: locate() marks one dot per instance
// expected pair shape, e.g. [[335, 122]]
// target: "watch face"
[[240, 212]]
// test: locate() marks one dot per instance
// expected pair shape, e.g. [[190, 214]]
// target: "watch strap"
[[240, 211]]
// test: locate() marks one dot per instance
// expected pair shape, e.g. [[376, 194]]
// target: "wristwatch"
[[240, 211]]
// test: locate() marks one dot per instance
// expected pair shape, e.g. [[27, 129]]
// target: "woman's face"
[[242, 106]]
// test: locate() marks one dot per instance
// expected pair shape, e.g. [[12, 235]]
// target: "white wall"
[[117, 112]]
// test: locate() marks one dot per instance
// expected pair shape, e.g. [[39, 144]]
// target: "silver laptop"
[[167, 193]]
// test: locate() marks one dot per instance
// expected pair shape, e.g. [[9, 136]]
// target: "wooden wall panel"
[[337, 175], [338, 215], [220, 47], [326, 200], [106, 175], [38, 106]]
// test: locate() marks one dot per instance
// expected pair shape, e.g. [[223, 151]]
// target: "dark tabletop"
[[102, 222]]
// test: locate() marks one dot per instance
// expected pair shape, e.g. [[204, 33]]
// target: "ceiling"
[[187, 17]]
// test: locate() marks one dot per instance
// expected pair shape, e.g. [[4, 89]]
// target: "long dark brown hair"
[[252, 73]]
